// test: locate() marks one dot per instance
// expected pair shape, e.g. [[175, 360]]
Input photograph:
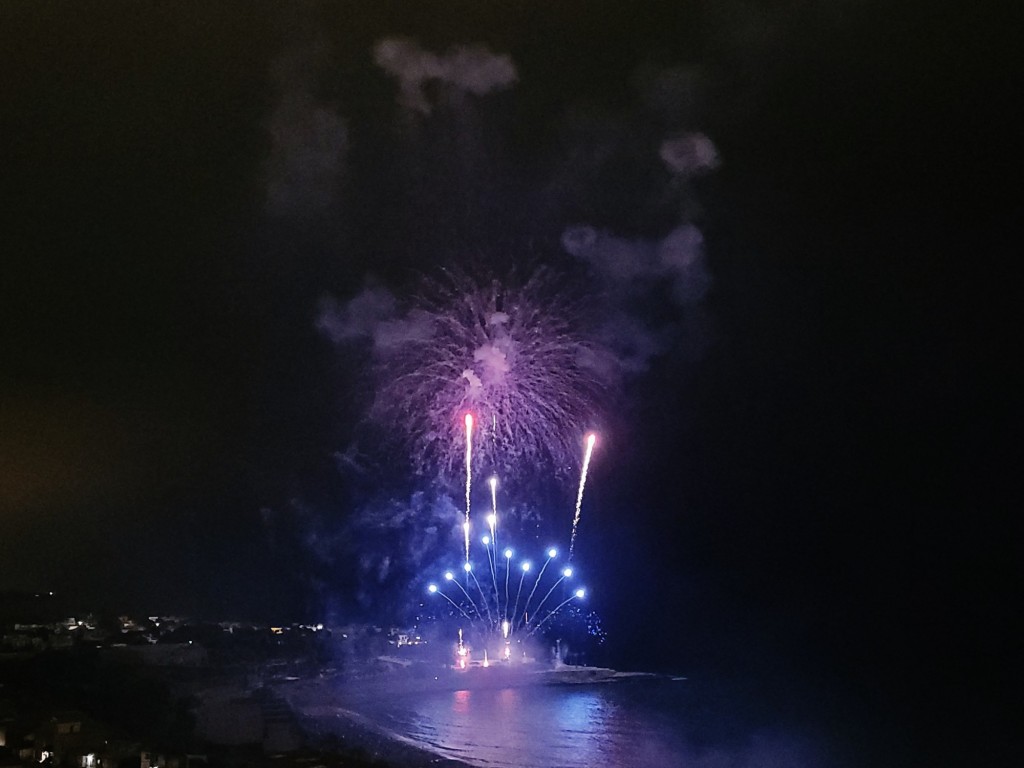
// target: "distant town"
[[94, 690]]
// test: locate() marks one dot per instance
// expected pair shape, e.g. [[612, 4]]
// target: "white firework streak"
[[591, 439], [469, 476], [518, 358]]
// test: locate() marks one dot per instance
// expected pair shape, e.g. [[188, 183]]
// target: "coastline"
[[336, 729], [323, 707], [327, 707]]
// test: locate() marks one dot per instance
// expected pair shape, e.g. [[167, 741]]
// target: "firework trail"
[[493, 482], [591, 439], [449, 576], [492, 540], [483, 597], [508, 565], [526, 569], [551, 555], [435, 591], [566, 574], [493, 620], [578, 594], [469, 475]]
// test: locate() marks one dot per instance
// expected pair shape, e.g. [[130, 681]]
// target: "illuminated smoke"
[[689, 155], [473, 69], [309, 141]]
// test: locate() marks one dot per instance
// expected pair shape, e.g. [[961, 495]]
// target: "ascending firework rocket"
[[469, 476], [591, 439]]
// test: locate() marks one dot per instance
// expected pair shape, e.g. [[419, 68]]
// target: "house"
[[69, 738]]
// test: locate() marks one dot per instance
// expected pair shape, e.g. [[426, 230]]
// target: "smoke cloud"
[[472, 69], [689, 155], [632, 267], [373, 314], [309, 141]]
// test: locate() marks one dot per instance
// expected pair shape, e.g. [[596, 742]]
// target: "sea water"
[[642, 723]]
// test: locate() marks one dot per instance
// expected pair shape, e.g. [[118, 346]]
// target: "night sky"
[[814, 476]]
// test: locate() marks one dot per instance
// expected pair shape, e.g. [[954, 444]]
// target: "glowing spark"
[[591, 439]]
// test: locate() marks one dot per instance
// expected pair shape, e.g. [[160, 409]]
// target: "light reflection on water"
[[650, 725]]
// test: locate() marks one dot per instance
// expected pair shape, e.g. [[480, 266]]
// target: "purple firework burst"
[[517, 355]]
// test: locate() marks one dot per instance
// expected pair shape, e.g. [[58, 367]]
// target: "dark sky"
[[816, 475]]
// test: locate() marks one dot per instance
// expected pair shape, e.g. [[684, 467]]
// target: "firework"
[[521, 357], [497, 618], [496, 615], [591, 439]]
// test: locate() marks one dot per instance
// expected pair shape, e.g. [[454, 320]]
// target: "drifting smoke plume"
[[629, 271], [635, 266], [397, 541], [473, 69], [309, 141], [689, 155]]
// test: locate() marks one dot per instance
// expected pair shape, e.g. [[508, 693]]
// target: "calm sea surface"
[[642, 723]]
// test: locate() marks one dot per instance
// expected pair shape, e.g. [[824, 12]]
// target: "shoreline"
[[338, 729], [327, 708]]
